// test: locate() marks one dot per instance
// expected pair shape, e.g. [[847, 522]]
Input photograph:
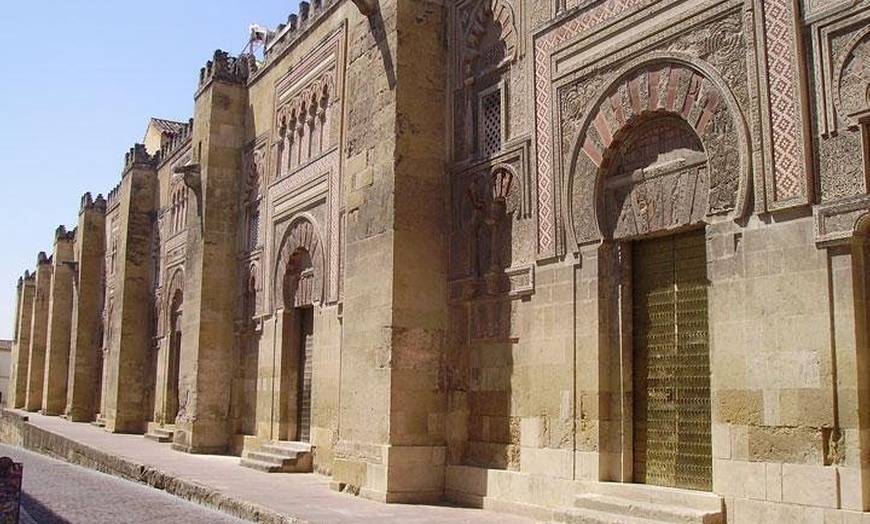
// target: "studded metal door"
[[671, 363], [306, 361]]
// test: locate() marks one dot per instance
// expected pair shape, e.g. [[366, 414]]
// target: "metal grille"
[[672, 441], [490, 105], [306, 362], [254, 230]]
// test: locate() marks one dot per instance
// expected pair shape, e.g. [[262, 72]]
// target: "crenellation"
[[61, 234], [174, 141], [113, 197], [137, 155], [278, 41], [87, 201], [226, 68]]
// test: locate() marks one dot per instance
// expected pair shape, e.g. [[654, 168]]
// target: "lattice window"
[[254, 229], [490, 123]]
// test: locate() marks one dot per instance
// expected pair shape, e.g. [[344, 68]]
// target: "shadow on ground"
[[40, 513]]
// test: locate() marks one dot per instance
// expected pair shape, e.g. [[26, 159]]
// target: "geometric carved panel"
[[788, 184]]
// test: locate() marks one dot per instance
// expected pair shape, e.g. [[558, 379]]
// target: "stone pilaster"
[[207, 363], [128, 357], [86, 351], [38, 334], [395, 307], [60, 305], [21, 347]]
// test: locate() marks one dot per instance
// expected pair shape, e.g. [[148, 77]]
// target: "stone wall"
[[458, 197]]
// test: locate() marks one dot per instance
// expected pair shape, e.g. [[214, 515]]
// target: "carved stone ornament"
[[255, 171], [491, 38], [853, 80], [836, 222], [661, 147], [299, 272]]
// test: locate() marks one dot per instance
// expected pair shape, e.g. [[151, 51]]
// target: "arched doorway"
[[173, 360], [298, 281], [654, 202], [659, 156], [298, 291]]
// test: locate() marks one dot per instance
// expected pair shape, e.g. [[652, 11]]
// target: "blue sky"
[[79, 82]]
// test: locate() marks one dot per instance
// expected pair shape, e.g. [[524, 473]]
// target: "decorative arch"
[[685, 94], [174, 294], [299, 270], [487, 13], [506, 188], [852, 95], [252, 293]]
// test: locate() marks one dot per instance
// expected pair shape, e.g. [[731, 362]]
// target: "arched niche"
[[299, 270], [852, 96], [661, 147], [491, 38]]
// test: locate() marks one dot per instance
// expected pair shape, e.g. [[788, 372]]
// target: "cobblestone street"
[[55, 492]]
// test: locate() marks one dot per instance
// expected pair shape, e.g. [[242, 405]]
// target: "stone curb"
[[16, 430]]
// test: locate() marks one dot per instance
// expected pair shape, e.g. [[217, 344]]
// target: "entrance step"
[[99, 421], [616, 503], [160, 434], [280, 457]]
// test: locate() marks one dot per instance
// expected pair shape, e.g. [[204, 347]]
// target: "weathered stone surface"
[[471, 250]]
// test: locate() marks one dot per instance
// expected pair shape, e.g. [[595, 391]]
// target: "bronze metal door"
[[671, 363], [306, 361]]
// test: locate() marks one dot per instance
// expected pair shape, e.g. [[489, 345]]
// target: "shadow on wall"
[[481, 430]]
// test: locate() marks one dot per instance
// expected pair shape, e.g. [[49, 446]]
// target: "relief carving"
[[488, 210], [492, 209], [254, 174], [841, 167], [853, 86], [490, 37], [659, 180], [299, 272], [662, 147]]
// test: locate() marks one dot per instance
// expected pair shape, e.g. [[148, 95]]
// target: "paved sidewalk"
[[299, 498]]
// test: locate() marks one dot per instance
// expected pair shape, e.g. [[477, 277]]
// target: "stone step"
[[683, 498], [287, 449], [161, 434], [654, 512], [159, 437], [265, 456], [266, 467], [100, 422], [612, 503], [588, 516], [282, 456]]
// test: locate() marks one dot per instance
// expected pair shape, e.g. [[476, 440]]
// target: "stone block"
[[810, 485], [737, 478], [721, 437], [531, 432], [773, 481]]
